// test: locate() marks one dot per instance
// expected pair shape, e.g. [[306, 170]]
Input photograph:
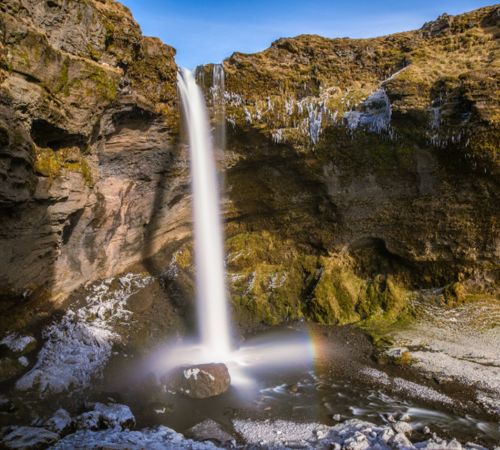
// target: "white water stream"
[[213, 320]]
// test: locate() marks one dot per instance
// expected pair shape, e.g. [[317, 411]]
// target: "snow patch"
[[78, 346], [188, 373]]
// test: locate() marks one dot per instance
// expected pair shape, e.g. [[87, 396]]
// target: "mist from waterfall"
[[213, 317]]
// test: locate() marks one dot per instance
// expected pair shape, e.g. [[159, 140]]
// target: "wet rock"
[[402, 427], [27, 438], [115, 415], [199, 381], [405, 417], [6, 405], [19, 345], [60, 422], [90, 420], [209, 430], [386, 435], [112, 415], [400, 441]]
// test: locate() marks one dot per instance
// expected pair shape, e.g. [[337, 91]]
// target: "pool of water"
[[322, 386]]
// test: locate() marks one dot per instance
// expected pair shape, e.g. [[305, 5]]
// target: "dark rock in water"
[[199, 381], [27, 438], [209, 430], [103, 416], [10, 368], [60, 422], [114, 415], [6, 405], [90, 420]]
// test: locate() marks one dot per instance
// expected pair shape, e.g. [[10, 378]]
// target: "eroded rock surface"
[[91, 181]]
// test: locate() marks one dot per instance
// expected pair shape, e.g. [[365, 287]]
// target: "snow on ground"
[[78, 346]]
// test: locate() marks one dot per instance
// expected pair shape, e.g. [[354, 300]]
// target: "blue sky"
[[209, 31]]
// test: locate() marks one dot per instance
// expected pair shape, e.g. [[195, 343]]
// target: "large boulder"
[[199, 381]]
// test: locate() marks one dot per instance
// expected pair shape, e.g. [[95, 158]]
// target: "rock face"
[[199, 381], [91, 180], [357, 170]]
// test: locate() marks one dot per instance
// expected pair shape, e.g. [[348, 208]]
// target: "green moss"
[[93, 52], [63, 83], [184, 259], [106, 86], [272, 281], [336, 294], [50, 164]]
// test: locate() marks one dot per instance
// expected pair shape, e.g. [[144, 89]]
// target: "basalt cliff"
[[356, 172]]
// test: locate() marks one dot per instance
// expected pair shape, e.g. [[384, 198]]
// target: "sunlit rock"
[[199, 381]]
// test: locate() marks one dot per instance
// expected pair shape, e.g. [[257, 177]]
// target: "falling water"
[[218, 89], [213, 318]]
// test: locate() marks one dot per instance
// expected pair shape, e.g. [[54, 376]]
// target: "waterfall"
[[218, 89], [213, 317]]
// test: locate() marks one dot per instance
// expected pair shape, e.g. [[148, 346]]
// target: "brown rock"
[[199, 381]]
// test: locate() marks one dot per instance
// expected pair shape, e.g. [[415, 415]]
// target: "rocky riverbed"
[[109, 426], [340, 396]]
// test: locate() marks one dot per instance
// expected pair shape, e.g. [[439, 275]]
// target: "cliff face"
[[359, 169], [90, 173], [355, 170]]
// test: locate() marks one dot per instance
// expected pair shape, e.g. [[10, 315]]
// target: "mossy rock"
[[50, 163]]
